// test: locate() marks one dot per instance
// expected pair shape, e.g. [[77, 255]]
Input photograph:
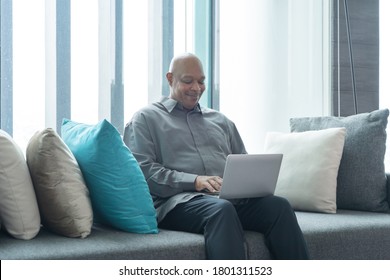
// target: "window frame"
[[6, 70]]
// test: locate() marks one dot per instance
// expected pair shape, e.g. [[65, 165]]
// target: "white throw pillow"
[[19, 213], [308, 175]]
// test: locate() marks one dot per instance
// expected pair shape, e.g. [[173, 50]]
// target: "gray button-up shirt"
[[173, 146]]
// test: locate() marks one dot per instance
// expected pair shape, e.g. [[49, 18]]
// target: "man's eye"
[[201, 82], [187, 81]]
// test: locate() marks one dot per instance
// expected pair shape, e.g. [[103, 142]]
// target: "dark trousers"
[[222, 224]]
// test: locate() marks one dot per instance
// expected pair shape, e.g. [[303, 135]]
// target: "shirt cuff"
[[188, 181]]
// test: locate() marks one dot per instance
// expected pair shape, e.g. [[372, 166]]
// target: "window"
[[6, 63], [88, 60], [274, 64], [28, 69], [84, 18], [135, 56], [195, 27]]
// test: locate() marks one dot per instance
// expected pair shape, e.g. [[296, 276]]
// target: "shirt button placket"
[[199, 134]]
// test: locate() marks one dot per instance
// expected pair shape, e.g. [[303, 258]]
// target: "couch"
[[348, 234], [358, 228]]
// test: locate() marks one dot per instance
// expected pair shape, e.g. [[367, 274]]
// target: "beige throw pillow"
[[308, 175], [19, 214], [63, 197]]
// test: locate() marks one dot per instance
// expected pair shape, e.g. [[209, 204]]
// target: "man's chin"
[[190, 103]]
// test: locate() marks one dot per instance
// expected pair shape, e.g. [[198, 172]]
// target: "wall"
[[364, 31]]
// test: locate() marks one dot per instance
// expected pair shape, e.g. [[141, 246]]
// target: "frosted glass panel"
[[84, 61], [273, 64], [135, 56], [29, 69]]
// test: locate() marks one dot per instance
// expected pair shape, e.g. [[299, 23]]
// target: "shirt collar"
[[170, 104]]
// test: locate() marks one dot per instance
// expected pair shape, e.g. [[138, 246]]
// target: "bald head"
[[186, 79], [186, 59]]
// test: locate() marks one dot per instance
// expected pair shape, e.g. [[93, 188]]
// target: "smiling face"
[[187, 80]]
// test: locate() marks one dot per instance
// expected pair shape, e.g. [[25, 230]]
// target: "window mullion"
[[6, 72], [214, 55], [63, 57], [167, 40], [117, 87], [206, 25]]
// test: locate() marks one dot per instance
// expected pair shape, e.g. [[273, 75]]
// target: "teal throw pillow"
[[118, 190]]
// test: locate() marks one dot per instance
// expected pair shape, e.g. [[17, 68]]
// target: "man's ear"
[[169, 76]]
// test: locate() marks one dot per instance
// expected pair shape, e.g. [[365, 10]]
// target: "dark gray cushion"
[[347, 235], [361, 182], [388, 187]]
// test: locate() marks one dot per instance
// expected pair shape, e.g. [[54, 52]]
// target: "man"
[[182, 148]]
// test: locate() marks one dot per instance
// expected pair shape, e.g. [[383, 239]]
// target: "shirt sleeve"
[[236, 143], [162, 182]]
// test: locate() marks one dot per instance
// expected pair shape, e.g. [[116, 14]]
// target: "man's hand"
[[208, 183]]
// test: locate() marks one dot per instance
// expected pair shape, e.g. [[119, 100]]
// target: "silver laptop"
[[253, 175]]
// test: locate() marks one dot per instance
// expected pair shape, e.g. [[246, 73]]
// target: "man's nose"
[[196, 86]]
